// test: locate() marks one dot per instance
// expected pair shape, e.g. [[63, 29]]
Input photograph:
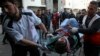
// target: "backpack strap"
[[27, 13]]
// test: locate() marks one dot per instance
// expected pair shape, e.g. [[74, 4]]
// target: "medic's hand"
[[69, 27], [50, 35], [46, 35], [41, 47], [74, 29]]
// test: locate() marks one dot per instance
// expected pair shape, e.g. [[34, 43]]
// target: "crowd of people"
[[23, 28]]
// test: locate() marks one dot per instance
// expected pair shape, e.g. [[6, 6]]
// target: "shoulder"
[[65, 22], [97, 21], [27, 12], [72, 18], [97, 18]]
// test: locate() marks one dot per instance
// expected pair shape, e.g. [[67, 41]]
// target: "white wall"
[[60, 5], [50, 4], [98, 0], [36, 3], [68, 4], [77, 4]]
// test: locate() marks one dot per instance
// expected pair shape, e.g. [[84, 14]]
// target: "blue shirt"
[[72, 21]]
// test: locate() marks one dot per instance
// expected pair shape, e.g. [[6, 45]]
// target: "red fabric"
[[55, 19], [94, 38]]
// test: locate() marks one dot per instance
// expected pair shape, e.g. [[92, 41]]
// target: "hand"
[[46, 35], [42, 47], [58, 30], [69, 27], [74, 30], [49, 35]]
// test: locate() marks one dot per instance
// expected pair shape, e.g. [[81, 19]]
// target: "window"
[[63, 2], [43, 2], [32, 0]]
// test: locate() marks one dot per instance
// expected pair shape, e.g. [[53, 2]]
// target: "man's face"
[[83, 13], [92, 9], [10, 8], [62, 39]]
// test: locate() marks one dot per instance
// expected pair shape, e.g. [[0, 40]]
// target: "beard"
[[91, 13], [13, 15]]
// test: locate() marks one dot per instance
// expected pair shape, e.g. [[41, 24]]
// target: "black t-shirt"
[[94, 27]]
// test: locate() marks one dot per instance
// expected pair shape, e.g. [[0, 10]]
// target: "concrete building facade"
[[68, 4], [34, 4], [53, 5]]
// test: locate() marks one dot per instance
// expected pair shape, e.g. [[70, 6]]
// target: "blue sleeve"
[[12, 32]]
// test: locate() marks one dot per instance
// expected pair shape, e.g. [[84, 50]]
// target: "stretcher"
[[55, 43]]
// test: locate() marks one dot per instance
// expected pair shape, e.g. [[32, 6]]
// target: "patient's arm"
[[58, 30]]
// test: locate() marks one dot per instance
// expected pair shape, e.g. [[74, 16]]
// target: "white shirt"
[[24, 28]]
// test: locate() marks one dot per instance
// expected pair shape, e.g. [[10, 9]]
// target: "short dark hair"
[[2, 2], [83, 9], [94, 3], [60, 47]]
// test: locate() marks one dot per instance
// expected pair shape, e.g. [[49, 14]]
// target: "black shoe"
[[44, 54]]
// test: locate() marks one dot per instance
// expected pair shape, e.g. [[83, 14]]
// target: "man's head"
[[83, 12], [92, 8], [9, 7], [39, 12], [60, 46]]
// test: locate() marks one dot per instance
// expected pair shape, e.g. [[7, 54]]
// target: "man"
[[83, 13], [64, 15], [91, 31], [55, 20], [48, 14], [20, 27]]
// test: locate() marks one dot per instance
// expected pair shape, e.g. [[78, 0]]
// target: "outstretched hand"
[[42, 47], [69, 27], [72, 29], [48, 35]]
